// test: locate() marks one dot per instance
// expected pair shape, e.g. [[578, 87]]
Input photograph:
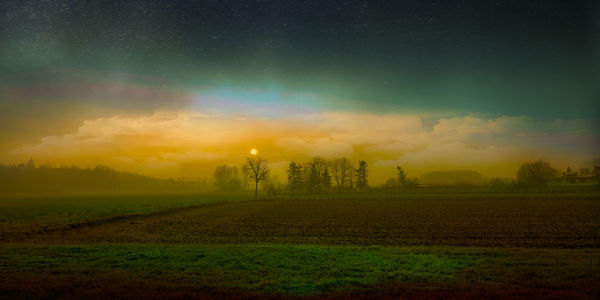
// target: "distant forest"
[[27, 178]]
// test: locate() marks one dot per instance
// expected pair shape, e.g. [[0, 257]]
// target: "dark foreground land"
[[215, 246]]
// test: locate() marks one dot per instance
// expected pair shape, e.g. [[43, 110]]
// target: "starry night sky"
[[538, 58], [156, 86]]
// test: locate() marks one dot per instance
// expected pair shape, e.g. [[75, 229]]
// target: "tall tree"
[[256, 170], [314, 179], [315, 170], [326, 180], [361, 175], [342, 171], [30, 164], [294, 174], [401, 176]]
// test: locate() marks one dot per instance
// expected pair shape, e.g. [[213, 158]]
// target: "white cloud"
[[159, 143]]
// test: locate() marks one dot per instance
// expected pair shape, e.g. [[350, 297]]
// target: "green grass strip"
[[286, 269]]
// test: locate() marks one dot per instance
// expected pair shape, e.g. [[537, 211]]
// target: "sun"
[[253, 151]]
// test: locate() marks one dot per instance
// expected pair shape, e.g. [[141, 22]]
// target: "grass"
[[290, 270], [287, 269], [377, 246]]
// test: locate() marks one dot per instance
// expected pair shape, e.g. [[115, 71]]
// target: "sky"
[[174, 88]]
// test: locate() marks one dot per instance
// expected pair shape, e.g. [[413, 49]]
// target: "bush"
[[536, 174]]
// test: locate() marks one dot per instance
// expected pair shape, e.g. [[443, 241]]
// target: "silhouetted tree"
[[30, 164], [342, 171], [536, 174], [314, 179], [569, 171], [401, 175], [569, 175], [256, 170], [361, 175], [294, 174], [315, 169], [326, 180], [227, 178]]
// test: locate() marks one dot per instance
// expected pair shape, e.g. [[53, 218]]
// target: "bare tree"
[[314, 179], [314, 172], [256, 170], [342, 171], [401, 175]]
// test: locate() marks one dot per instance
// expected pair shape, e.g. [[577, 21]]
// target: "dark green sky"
[[535, 58]]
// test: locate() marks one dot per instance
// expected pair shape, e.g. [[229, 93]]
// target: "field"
[[336, 246]]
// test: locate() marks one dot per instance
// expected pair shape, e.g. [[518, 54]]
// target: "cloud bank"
[[190, 143]]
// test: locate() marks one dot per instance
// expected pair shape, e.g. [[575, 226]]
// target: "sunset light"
[[409, 149]]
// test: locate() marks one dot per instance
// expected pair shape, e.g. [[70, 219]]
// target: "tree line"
[[341, 174], [319, 175], [29, 178], [314, 176]]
